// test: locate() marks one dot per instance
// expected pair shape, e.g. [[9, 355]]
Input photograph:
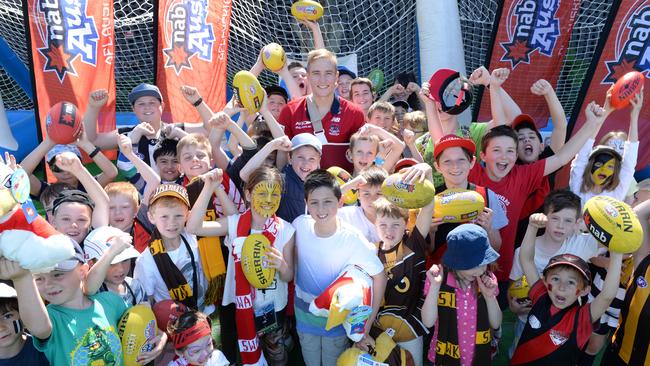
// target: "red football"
[[167, 311], [63, 123], [626, 88]]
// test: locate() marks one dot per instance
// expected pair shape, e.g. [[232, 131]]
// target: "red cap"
[[404, 163], [573, 261], [448, 141], [437, 81], [523, 119]]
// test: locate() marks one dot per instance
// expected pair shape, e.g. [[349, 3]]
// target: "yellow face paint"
[[266, 198], [602, 170]]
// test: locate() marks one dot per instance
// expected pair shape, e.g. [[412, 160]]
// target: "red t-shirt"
[[343, 119], [512, 192]]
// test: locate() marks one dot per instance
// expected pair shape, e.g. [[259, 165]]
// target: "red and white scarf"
[[249, 345]]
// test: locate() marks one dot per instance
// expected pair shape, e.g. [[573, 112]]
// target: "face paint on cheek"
[[602, 173], [18, 326], [266, 198], [549, 287], [577, 292]]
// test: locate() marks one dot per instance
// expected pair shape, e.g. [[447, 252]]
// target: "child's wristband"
[[198, 102], [94, 153], [379, 161]]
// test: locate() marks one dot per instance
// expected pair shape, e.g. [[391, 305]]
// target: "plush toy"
[[347, 301], [25, 237]]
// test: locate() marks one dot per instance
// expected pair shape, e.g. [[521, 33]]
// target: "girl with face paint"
[[607, 169], [266, 320]]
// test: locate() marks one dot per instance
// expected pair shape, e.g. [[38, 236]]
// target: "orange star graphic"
[[57, 60], [516, 52], [177, 57]]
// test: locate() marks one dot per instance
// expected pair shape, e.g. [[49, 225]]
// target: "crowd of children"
[[168, 222]]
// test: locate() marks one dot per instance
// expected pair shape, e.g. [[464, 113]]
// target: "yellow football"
[[254, 261], [407, 195], [342, 176], [248, 91], [307, 10], [457, 205], [136, 328], [273, 57], [519, 289], [613, 223]]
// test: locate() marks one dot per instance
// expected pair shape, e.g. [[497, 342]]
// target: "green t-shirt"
[[87, 336], [476, 132]]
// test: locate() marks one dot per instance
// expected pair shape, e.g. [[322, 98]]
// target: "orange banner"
[[192, 50], [73, 53]]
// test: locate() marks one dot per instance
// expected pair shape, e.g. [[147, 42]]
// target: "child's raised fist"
[[219, 121], [282, 143], [541, 87], [98, 98], [434, 275], [499, 76], [213, 178], [488, 284], [190, 93], [10, 270], [480, 76], [68, 162], [538, 220]]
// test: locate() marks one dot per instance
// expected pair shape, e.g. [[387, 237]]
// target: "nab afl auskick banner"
[[192, 50], [531, 41], [627, 48], [73, 53]]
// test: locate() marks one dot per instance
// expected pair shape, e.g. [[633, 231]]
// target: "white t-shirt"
[[319, 261], [354, 216], [146, 272], [278, 292], [581, 245]]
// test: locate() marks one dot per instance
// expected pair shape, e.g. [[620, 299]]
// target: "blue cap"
[[468, 247], [144, 90], [345, 71], [58, 149]]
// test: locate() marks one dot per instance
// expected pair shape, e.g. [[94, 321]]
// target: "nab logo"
[[531, 25], [69, 34], [187, 33], [631, 49]]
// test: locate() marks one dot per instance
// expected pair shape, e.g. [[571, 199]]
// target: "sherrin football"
[[273, 57], [254, 261], [136, 328], [63, 123], [626, 88], [407, 195], [613, 223], [519, 289], [307, 10], [457, 205], [248, 91], [342, 176]]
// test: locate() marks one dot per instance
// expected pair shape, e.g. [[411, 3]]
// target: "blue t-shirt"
[[29, 355]]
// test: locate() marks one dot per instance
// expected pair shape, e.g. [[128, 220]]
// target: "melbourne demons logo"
[[531, 25], [67, 34], [187, 33], [631, 47]]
